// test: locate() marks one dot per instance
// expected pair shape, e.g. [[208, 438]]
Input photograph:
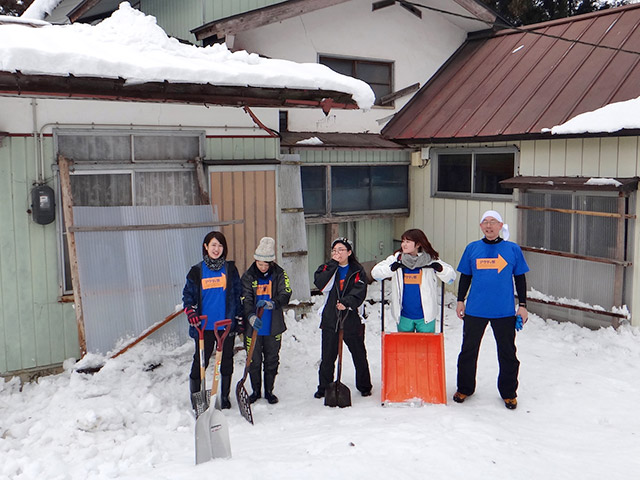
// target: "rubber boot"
[[269, 380], [225, 403], [194, 386], [256, 386]]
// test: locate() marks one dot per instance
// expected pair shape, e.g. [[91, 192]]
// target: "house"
[[482, 127], [105, 196], [353, 183]]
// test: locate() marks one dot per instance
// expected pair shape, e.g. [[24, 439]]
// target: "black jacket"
[[280, 295], [352, 296], [193, 289]]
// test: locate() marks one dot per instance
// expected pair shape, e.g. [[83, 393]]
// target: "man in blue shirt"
[[489, 266]]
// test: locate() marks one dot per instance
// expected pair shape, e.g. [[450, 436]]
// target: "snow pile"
[[610, 118], [310, 141], [603, 181], [132, 46], [578, 416], [39, 9]]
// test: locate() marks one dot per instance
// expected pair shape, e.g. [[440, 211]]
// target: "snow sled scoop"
[[212, 431], [337, 394], [241, 393], [413, 369]]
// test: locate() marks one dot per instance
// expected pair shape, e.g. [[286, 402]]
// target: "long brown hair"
[[420, 239]]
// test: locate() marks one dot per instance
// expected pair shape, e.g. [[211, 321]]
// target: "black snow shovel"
[[212, 431], [200, 400], [241, 393], [337, 394]]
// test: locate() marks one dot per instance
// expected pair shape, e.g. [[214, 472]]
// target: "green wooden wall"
[[179, 18], [36, 330]]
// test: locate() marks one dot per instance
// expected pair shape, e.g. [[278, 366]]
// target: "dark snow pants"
[[330, 354], [504, 333], [226, 365], [267, 351]]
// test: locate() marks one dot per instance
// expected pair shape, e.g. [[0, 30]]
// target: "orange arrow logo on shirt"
[[491, 263]]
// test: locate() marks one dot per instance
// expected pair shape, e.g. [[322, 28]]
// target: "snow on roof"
[[132, 46], [610, 118], [39, 8]]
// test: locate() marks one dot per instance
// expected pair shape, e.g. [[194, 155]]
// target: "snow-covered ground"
[[578, 416]]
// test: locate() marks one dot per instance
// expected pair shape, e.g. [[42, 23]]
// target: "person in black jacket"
[[344, 284], [213, 289], [265, 285]]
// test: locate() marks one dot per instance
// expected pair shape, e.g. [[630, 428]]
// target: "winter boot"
[[269, 380], [225, 403]]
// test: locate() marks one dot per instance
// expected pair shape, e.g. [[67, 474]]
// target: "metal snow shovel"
[[200, 400], [337, 394], [241, 393], [212, 431]]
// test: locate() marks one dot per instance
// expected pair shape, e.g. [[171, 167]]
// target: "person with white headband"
[[488, 268]]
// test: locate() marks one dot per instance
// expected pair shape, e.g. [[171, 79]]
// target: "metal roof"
[[514, 83]]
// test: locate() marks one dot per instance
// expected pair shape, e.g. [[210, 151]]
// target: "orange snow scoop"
[[413, 369]]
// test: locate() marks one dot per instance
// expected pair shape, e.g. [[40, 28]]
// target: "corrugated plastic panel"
[[132, 279]]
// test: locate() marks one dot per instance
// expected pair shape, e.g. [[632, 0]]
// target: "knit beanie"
[[266, 251]]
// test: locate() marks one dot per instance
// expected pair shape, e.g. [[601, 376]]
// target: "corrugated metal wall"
[[36, 330]]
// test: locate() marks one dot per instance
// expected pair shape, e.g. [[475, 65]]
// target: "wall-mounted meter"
[[43, 204]]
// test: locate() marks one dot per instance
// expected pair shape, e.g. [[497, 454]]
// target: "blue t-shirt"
[[492, 266], [411, 298], [214, 287], [342, 275], [264, 293]]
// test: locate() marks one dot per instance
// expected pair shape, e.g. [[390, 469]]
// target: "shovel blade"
[[337, 394], [243, 402], [212, 436]]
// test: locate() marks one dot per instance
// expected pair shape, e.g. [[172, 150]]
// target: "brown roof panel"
[[514, 83], [337, 140]]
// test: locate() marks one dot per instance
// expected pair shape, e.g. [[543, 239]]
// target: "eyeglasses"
[[490, 222], [338, 250]]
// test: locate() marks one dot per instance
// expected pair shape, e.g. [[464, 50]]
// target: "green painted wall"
[[36, 330], [242, 149], [179, 18]]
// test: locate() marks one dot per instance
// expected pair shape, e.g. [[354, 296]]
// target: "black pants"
[[504, 333], [267, 352], [210, 341], [330, 354]]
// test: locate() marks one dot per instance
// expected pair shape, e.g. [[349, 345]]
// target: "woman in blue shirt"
[[213, 289]]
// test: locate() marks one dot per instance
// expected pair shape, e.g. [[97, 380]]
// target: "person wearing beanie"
[[266, 286], [414, 269], [488, 270], [213, 289], [343, 282]]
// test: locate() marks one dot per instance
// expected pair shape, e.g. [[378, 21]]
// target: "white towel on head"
[[504, 231]]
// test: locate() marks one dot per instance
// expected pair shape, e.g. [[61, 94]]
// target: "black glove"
[[436, 266], [192, 316], [395, 265]]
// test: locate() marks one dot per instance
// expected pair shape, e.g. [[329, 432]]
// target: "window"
[[115, 169], [377, 74], [472, 172], [363, 188]]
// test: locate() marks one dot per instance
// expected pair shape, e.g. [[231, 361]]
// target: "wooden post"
[[202, 183], [67, 209]]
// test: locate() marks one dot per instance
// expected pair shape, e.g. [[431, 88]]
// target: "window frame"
[[473, 151], [330, 213], [355, 61]]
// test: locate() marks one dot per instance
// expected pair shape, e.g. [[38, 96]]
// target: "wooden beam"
[[261, 17], [400, 93], [67, 209], [159, 226], [81, 9], [382, 4], [202, 183], [609, 261], [577, 212]]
